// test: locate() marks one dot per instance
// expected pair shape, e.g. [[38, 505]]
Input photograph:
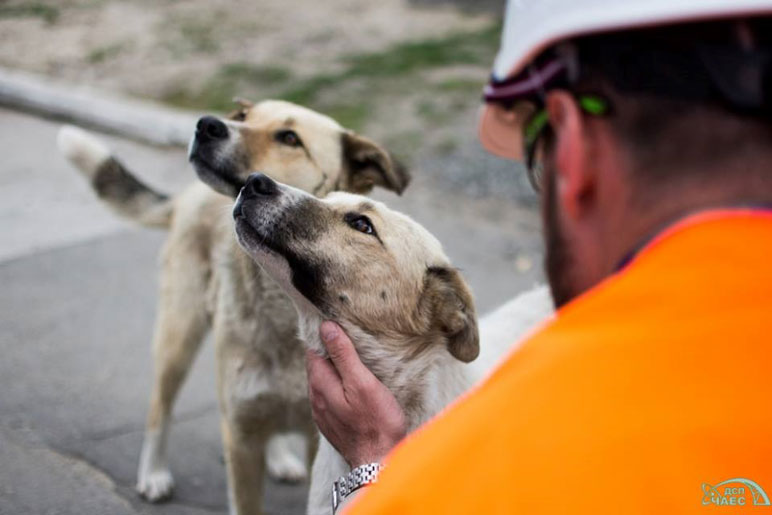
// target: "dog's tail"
[[123, 192]]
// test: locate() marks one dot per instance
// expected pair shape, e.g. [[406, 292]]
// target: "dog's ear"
[[452, 311], [368, 165], [243, 107], [243, 102]]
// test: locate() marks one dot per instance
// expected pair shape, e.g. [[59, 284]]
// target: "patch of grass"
[[352, 116], [200, 35], [361, 82], [102, 54], [305, 92], [264, 75], [208, 99], [47, 13], [462, 86], [400, 61], [231, 80], [441, 109], [405, 59], [455, 49]]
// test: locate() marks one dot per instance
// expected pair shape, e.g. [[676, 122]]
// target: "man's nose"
[[259, 184], [210, 128]]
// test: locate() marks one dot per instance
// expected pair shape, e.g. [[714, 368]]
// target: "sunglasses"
[[536, 127]]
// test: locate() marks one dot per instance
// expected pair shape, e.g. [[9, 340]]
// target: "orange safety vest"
[[644, 395]]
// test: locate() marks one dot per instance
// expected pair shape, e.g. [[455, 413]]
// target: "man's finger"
[[342, 352], [323, 380]]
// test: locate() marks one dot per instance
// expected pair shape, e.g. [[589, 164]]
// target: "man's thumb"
[[340, 349], [329, 331]]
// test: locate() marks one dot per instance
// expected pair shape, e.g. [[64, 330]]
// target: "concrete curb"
[[143, 121]]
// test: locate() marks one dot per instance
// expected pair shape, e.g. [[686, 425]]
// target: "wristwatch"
[[360, 476]]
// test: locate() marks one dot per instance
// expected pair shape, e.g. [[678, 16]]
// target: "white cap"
[[532, 26]]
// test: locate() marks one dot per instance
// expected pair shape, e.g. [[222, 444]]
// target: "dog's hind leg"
[[181, 326], [285, 457], [245, 461]]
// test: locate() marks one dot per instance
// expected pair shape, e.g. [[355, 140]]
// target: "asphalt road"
[[76, 317]]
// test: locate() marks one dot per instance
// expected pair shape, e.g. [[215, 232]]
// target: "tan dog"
[[207, 281], [383, 278]]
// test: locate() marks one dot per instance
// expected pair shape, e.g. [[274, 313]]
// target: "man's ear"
[[452, 312], [574, 175], [368, 164]]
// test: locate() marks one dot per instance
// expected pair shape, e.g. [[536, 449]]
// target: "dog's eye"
[[289, 138], [361, 223]]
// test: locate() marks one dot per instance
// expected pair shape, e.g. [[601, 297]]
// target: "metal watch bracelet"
[[360, 476]]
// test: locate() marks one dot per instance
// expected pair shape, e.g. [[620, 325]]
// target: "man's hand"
[[357, 414]]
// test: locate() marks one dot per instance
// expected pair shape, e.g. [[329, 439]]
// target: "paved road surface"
[[76, 315]]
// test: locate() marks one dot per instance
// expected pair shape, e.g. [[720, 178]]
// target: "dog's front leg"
[[244, 458]]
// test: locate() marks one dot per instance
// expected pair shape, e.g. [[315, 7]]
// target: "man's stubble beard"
[[558, 259]]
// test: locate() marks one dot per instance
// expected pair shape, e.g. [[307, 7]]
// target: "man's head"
[[683, 127]]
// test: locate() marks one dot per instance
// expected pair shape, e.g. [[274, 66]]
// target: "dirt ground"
[[144, 47], [406, 72]]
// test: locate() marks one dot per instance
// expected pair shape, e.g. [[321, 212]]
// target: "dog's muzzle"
[[258, 187], [208, 130]]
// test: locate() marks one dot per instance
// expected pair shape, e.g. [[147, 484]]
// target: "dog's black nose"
[[261, 184], [211, 128]]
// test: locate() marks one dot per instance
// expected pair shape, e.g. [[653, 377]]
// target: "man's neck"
[[647, 219]]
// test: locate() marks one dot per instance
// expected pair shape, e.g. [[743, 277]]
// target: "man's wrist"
[[373, 452], [364, 459], [360, 476]]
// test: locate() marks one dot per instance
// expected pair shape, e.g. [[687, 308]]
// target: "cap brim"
[[501, 130]]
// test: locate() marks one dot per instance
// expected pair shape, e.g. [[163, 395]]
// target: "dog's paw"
[[289, 469], [286, 467], [156, 485]]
